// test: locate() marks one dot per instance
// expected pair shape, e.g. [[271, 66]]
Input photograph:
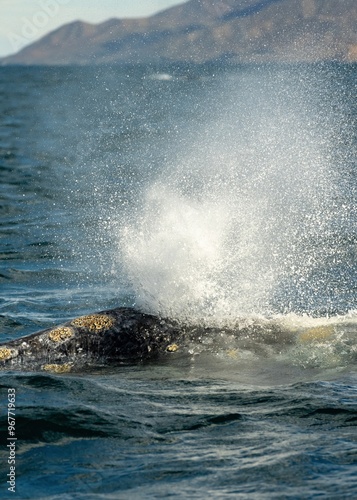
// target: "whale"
[[109, 337], [120, 336], [125, 335]]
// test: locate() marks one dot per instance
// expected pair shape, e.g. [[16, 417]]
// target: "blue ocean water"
[[215, 195]]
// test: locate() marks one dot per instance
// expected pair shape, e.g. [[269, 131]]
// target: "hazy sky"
[[24, 21]]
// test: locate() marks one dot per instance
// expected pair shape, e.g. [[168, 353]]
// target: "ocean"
[[219, 196]]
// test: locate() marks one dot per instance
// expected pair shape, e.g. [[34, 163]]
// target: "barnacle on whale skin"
[[317, 333], [57, 368], [61, 333], [94, 322], [172, 348], [6, 353]]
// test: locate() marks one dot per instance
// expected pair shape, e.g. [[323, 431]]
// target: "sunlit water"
[[221, 197]]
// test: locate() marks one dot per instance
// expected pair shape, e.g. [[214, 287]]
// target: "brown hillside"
[[206, 30]]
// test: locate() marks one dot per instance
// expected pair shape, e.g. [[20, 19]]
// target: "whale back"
[[112, 336]]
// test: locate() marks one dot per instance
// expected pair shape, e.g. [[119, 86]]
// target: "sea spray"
[[233, 226], [239, 219]]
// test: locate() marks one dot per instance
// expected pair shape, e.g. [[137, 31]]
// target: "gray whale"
[[113, 336], [125, 336]]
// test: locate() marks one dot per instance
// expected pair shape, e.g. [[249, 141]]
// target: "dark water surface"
[[212, 195]]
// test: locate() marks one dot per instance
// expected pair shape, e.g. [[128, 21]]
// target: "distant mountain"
[[208, 30]]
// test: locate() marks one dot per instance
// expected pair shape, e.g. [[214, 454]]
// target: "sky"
[[24, 21]]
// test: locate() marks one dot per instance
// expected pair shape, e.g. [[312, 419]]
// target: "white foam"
[[245, 207]]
